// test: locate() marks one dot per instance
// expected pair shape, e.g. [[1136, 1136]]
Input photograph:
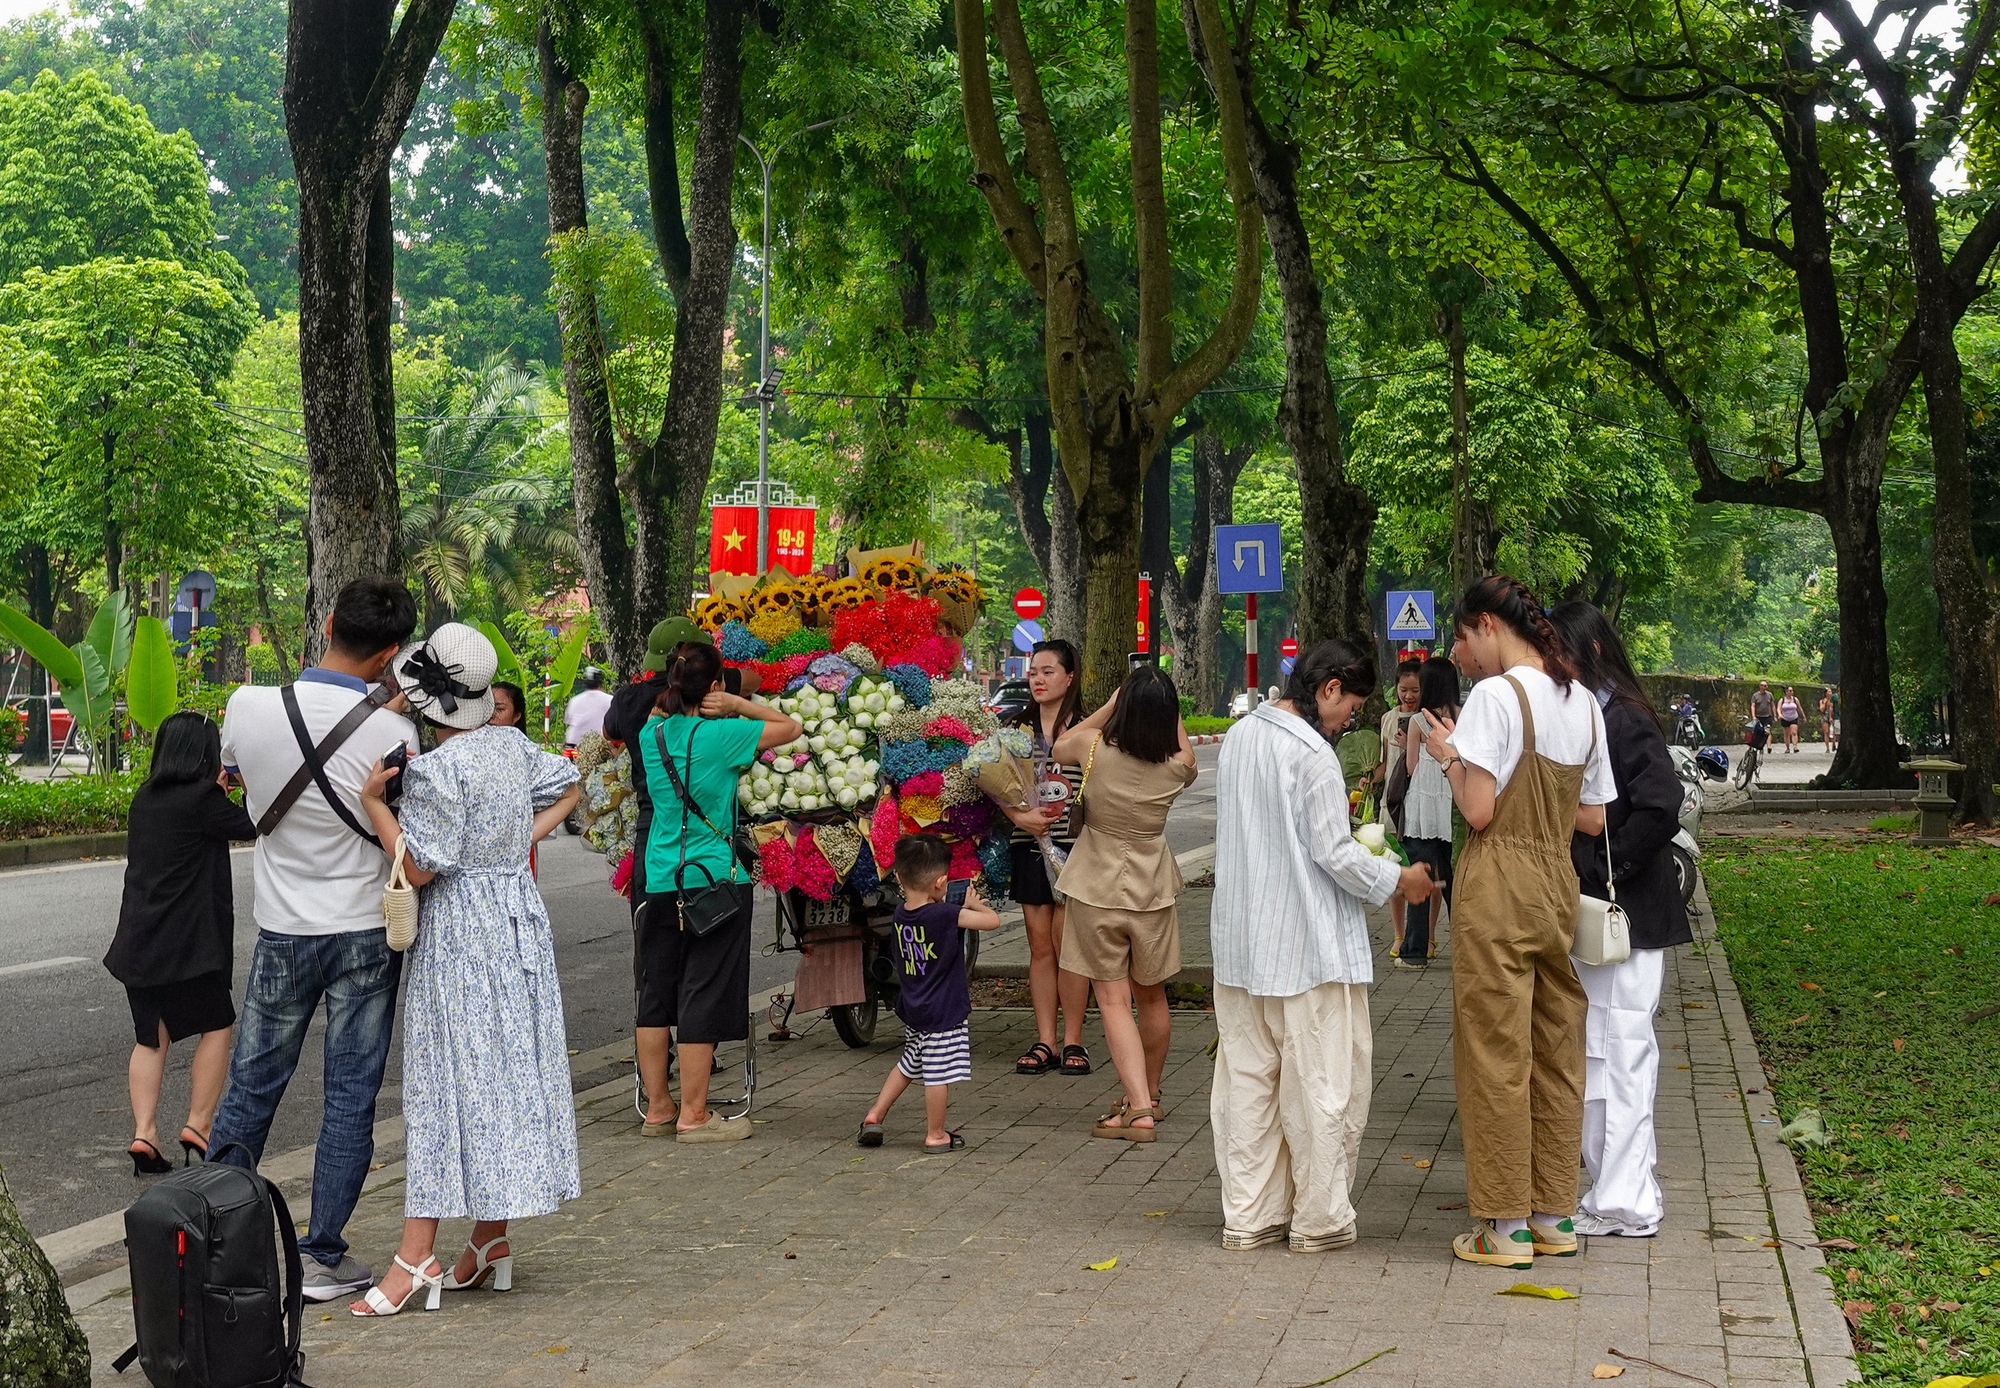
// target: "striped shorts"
[[937, 1057]]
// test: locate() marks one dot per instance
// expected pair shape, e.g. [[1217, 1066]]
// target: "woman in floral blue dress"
[[487, 1108]]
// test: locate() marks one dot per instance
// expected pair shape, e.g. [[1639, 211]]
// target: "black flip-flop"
[[1081, 1059], [870, 1135], [1039, 1059], [941, 1148]]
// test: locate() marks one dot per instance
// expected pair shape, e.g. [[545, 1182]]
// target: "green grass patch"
[[1894, 824], [1858, 964], [1204, 724], [78, 805]]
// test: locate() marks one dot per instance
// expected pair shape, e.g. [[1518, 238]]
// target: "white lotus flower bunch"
[[870, 699], [1375, 838], [826, 767]]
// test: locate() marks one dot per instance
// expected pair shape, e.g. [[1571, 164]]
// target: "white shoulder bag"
[[1602, 933], [399, 904]]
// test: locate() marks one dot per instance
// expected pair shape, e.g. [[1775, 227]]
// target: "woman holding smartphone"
[[1427, 826]]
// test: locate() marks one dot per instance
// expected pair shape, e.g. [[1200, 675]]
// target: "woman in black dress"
[[176, 930], [1056, 706]]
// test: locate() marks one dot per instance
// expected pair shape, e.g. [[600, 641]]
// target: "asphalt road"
[[66, 1033]]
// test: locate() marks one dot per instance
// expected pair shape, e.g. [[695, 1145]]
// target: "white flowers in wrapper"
[[998, 765], [831, 765], [610, 805]]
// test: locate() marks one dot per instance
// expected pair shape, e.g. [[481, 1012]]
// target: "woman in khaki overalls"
[[1527, 748]]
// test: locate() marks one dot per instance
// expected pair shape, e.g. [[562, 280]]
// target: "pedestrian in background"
[[1527, 767], [488, 1114], [1408, 692], [319, 875], [1789, 713], [1294, 1048], [176, 938], [510, 706], [1621, 1053], [935, 1000], [1427, 828], [1059, 997], [1121, 880], [1829, 718], [584, 713]]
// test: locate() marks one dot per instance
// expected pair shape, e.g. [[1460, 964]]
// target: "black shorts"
[[699, 985], [189, 1007], [1029, 883]]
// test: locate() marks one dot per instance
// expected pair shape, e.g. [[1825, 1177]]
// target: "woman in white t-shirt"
[[1527, 767]]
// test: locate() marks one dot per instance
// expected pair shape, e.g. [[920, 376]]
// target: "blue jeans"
[[356, 973]]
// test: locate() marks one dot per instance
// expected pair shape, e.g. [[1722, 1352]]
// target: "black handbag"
[[704, 910]]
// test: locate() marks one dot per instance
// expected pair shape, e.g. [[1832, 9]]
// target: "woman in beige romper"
[[1517, 1008], [1121, 931]]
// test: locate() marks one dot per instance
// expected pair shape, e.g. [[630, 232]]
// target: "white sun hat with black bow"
[[448, 676]]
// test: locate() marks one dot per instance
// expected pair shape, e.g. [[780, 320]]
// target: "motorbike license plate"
[[826, 915]]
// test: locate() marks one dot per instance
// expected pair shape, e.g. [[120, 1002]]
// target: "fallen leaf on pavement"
[[1606, 1371], [1105, 1266], [1156, 1214], [1530, 1289], [1425, 1164]]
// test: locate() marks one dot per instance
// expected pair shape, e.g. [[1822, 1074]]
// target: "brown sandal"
[[1122, 1128]]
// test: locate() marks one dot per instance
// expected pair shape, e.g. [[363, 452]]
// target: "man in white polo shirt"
[[319, 912]]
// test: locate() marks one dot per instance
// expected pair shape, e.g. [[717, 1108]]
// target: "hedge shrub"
[[77, 805]]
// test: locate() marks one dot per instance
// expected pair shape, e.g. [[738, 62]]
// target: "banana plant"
[[86, 672], [152, 680], [560, 671]]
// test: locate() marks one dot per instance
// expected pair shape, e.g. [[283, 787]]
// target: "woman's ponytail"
[[1508, 601]]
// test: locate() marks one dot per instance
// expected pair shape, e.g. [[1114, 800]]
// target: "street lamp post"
[[767, 385]]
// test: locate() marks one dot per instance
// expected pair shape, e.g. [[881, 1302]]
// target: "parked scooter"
[[1692, 768], [1688, 731]]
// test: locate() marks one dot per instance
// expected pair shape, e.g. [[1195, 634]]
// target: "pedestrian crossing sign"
[[1412, 615]]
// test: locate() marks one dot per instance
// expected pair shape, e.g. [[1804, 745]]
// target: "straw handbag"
[[399, 904]]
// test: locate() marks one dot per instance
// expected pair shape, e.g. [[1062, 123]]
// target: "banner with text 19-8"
[[732, 539]]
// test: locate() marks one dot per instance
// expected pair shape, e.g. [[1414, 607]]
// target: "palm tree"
[[473, 516]]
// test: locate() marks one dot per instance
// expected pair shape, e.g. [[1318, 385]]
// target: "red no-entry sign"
[[1288, 647], [1029, 603]]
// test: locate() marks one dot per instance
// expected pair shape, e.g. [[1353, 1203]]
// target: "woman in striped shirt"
[[1052, 682]]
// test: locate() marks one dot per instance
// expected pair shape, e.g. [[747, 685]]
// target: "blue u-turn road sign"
[[1249, 559]]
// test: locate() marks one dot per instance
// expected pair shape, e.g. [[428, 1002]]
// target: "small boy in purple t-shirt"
[[935, 1002]]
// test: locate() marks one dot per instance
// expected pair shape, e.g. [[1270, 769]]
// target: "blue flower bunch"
[[863, 877], [944, 752], [912, 683], [902, 760], [996, 858], [736, 643]]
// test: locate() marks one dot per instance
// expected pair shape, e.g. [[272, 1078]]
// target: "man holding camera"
[[303, 753]]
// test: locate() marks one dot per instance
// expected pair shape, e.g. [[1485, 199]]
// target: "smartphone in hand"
[[397, 759]]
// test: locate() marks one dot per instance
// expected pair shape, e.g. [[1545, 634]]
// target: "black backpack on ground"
[[207, 1302]]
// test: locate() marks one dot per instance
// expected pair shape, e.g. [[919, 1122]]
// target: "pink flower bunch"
[[621, 876], [778, 863], [924, 783], [885, 829], [815, 875], [965, 859], [950, 727]]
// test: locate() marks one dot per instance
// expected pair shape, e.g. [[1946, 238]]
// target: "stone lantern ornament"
[[1933, 799]]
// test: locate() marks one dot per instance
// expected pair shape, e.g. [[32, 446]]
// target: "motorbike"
[[1692, 769], [1688, 731]]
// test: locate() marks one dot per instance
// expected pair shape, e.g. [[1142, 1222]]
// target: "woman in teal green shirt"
[[695, 985]]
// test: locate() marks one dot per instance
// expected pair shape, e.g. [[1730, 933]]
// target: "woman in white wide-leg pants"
[[1621, 1052]]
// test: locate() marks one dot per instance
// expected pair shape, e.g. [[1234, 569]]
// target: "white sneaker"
[[1323, 1243], [1600, 1227], [1237, 1241]]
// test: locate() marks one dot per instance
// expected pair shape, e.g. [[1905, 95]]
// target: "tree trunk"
[[1475, 541], [349, 89], [679, 460], [1867, 755], [1109, 518], [41, 598], [1338, 518], [41, 1345], [1194, 607], [1068, 613], [1964, 589], [602, 546]]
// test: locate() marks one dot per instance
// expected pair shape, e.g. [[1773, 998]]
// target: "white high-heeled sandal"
[[432, 1284], [501, 1267]]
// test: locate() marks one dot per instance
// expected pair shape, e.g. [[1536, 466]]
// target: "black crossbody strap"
[[295, 1360], [315, 762]]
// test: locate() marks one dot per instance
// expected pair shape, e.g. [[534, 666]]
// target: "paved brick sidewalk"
[[796, 1258]]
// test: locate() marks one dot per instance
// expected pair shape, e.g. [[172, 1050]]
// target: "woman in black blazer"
[[176, 930], [1621, 1053]]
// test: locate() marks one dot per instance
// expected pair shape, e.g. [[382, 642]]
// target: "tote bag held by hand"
[[399, 904], [1603, 934]]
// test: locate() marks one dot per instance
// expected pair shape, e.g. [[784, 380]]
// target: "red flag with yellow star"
[[732, 539]]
